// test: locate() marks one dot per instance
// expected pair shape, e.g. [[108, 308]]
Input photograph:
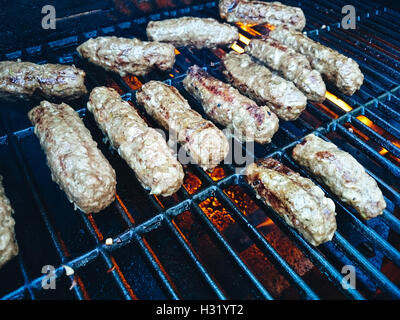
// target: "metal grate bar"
[[201, 269], [383, 282], [231, 253], [154, 265], [312, 253], [370, 151], [379, 79]]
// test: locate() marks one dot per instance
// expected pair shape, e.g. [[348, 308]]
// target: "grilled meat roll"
[[343, 72], [128, 56], [142, 147], [206, 144], [225, 105], [75, 162], [343, 175], [261, 85], [24, 79], [296, 199], [291, 65], [260, 12], [192, 31], [8, 243]]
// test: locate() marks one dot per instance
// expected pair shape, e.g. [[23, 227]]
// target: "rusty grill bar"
[[213, 239]]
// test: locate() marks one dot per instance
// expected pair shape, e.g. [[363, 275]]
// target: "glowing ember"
[[217, 214], [133, 82], [191, 183], [217, 174], [269, 26], [339, 102]]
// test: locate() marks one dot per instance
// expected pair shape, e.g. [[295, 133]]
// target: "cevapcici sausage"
[[296, 199], [192, 31], [75, 162], [344, 176], [260, 12], [261, 85], [128, 56], [24, 79], [142, 147], [291, 65], [225, 105], [8, 244], [206, 144], [342, 71]]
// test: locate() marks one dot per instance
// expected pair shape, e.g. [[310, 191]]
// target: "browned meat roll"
[[296, 199], [260, 12], [128, 56], [225, 105], [75, 162], [142, 147], [192, 31], [8, 243], [291, 65], [342, 71], [263, 86], [206, 144], [344, 176], [25, 79]]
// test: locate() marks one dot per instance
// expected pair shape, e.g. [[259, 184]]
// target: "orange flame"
[[339, 102], [265, 223], [244, 39], [237, 48], [248, 28]]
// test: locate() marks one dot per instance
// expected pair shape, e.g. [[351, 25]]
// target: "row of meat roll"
[[287, 71], [301, 203], [90, 183]]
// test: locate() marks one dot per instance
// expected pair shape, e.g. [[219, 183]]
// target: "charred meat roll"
[[75, 162], [226, 106], [142, 147], [192, 31], [291, 65], [342, 174], [128, 56], [260, 12], [206, 144], [296, 199], [342, 71], [263, 86], [8, 243], [25, 79]]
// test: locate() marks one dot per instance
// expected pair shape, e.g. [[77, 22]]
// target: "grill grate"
[[213, 238]]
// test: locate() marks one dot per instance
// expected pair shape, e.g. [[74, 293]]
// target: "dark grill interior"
[[213, 239]]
